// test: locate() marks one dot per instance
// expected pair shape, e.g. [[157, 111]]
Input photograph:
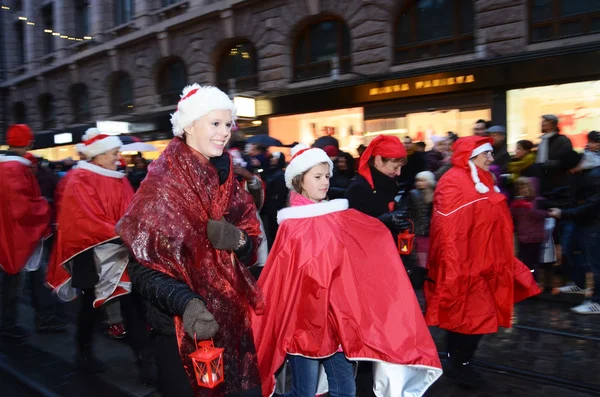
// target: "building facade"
[[351, 68]]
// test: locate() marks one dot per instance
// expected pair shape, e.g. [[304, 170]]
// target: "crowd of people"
[[296, 263]]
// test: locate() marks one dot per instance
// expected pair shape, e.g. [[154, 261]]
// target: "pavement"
[[550, 352]]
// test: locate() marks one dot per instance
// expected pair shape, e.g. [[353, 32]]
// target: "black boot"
[[88, 363]]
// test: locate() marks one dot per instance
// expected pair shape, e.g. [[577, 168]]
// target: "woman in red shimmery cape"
[[336, 290], [476, 278]]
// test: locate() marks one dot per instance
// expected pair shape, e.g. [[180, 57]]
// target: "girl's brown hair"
[[525, 184], [297, 180]]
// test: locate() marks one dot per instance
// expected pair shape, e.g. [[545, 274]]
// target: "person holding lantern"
[[336, 292], [88, 255], [193, 229], [476, 278]]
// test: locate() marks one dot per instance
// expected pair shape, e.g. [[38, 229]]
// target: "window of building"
[[121, 94], [47, 111], [19, 114], [123, 11], [18, 5], [555, 19], [237, 63], [20, 36], [48, 23], [434, 28], [82, 18], [320, 47], [171, 80], [80, 101]]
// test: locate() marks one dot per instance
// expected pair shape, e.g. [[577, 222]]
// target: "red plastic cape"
[[471, 257], [334, 277], [165, 228], [24, 213], [92, 202]]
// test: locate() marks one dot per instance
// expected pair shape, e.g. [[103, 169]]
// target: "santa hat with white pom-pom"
[[303, 159], [467, 148], [198, 101]]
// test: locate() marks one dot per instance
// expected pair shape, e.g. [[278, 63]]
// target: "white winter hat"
[[426, 176], [99, 144], [303, 159], [197, 101], [90, 133]]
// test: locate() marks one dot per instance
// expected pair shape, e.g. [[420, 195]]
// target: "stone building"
[[406, 67]]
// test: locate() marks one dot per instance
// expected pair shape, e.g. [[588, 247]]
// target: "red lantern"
[[208, 364], [406, 240]]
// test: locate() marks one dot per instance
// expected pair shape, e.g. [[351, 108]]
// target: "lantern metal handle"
[[412, 225], [201, 346]]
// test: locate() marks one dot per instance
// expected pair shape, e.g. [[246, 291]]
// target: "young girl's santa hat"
[[303, 159], [464, 149], [98, 144], [197, 101]]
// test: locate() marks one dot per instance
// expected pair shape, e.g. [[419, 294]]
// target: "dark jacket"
[[554, 173], [372, 201], [419, 211], [434, 160], [587, 212], [415, 163], [501, 159]]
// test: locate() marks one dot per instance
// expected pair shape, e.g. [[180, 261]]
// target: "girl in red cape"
[[476, 278], [193, 229], [336, 291]]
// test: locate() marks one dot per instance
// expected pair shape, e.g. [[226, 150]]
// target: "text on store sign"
[[423, 84]]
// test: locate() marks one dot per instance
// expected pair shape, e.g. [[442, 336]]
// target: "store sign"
[[246, 107], [61, 139], [422, 84], [123, 127]]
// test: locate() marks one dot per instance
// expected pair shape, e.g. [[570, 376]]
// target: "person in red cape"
[[193, 229], [476, 278], [24, 224], [87, 253], [336, 292]]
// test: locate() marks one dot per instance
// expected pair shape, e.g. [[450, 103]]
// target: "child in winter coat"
[[529, 222], [420, 206]]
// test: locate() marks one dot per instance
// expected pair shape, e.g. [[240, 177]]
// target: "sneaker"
[[14, 332], [587, 307], [571, 288], [116, 331], [53, 325]]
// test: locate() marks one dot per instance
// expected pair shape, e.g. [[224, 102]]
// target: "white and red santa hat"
[[303, 159], [464, 149], [97, 143], [197, 101]]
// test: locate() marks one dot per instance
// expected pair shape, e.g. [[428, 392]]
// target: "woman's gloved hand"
[[223, 235], [397, 221], [198, 322]]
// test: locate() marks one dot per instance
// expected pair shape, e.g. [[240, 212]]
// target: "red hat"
[[464, 149], [31, 157], [385, 146], [331, 151], [19, 135]]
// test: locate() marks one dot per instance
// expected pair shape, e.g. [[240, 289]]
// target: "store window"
[[577, 105], [47, 110], [421, 126], [19, 113], [172, 78], [123, 11], [320, 47], [237, 65], [555, 19], [82, 18], [434, 28], [80, 101], [121, 94]]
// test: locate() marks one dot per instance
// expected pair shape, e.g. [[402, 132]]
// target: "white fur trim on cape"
[[99, 170], [312, 210], [486, 147], [101, 146], [18, 159], [480, 187], [199, 104], [304, 162]]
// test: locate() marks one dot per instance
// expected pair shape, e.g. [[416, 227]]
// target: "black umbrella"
[[326, 140], [264, 140]]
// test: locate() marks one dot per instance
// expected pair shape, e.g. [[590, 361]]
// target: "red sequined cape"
[[165, 228], [24, 213]]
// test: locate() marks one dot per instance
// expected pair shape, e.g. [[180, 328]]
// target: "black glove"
[[198, 322], [396, 221], [223, 235]]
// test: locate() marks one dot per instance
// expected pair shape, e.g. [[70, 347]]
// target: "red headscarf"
[[384, 146]]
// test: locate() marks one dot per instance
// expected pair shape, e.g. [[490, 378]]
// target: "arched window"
[[80, 101], [121, 94], [237, 63], [434, 28], [47, 111], [172, 77], [555, 19], [321, 46], [19, 113]]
